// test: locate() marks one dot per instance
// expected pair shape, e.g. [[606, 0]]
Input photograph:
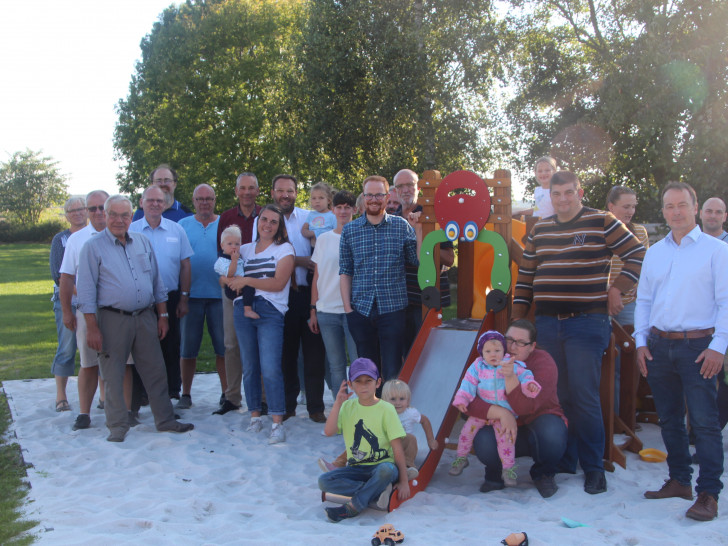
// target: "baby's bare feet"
[[248, 312]]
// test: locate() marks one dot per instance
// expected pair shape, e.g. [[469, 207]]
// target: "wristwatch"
[[164, 315], [185, 294], [313, 306]]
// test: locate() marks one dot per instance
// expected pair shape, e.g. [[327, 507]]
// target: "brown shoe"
[[288, 415], [671, 488], [705, 508], [317, 417]]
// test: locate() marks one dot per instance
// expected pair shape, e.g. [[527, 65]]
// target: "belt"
[[127, 313], [564, 316], [690, 334]]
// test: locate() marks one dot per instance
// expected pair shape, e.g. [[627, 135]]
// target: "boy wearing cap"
[[373, 436]]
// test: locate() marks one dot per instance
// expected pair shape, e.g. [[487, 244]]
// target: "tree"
[[391, 84], [630, 92], [29, 184], [206, 94]]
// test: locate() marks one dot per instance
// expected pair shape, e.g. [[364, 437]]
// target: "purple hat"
[[363, 366], [488, 336]]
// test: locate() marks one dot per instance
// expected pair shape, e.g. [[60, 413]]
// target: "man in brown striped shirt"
[[565, 272]]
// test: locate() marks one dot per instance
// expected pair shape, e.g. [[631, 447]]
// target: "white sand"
[[221, 485]]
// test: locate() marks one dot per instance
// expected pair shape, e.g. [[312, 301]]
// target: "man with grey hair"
[[88, 375], [172, 250], [119, 286], [242, 215], [205, 303], [65, 359], [713, 216]]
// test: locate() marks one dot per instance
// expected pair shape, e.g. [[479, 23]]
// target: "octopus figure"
[[462, 208]]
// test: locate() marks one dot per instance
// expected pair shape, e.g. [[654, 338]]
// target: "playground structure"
[[441, 353]]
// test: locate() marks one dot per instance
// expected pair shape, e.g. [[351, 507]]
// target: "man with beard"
[[373, 252]]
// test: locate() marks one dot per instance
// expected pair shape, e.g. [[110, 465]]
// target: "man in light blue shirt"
[[681, 333], [205, 302], [173, 251]]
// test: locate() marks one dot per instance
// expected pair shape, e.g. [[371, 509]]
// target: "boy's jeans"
[[364, 482]]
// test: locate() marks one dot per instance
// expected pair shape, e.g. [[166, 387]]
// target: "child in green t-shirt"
[[373, 436]]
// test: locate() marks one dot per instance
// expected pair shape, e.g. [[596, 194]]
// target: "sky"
[[65, 66]]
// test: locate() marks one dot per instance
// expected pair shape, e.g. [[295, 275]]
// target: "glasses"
[[163, 180], [375, 196], [115, 216], [153, 201], [100, 208], [72, 211], [204, 199], [405, 185], [518, 342]]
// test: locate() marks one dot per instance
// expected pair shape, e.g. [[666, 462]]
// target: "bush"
[[40, 233]]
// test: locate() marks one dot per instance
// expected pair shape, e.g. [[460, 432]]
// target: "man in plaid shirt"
[[373, 252]]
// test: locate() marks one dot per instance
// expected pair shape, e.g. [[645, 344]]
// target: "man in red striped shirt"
[[565, 273]]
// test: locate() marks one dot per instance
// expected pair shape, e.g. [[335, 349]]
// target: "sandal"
[[62, 405]]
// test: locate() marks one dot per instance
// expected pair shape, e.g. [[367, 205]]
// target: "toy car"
[[388, 535]]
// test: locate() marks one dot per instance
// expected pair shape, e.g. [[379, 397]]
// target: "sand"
[[220, 485]]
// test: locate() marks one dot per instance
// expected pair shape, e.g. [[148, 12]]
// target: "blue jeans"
[[201, 309], [261, 342], [544, 439], [379, 334], [337, 339], [577, 345], [64, 362], [362, 482], [675, 379]]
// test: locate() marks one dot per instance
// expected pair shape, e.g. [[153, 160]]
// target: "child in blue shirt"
[[373, 436], [320, 219]]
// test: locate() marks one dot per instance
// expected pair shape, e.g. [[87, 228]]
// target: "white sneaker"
[[256, 425], [277, 434], [382, 502], [458, 465], [325, 465], [302, 398], [412, 473]]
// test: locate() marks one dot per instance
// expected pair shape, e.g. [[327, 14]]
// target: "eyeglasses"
[[163, 180], [72, 211], [375, 196], [153, 201], [204, 199], [405, 185], [115, 216], [518, 342], [99, 208]]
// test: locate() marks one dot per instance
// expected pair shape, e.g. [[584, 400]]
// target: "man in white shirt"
[[681, 333], [296, 332], [88, 375]]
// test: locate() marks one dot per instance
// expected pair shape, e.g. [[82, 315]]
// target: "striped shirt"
[[565, 266]]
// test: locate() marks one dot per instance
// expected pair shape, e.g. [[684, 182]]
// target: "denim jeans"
[[261, 342], [64, 362], [337, 339], [675, 379], [379, 335], [544, 439], [362, 482], [576, 344], [201, 310]]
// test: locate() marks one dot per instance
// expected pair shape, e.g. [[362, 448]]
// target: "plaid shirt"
[[374, 256]]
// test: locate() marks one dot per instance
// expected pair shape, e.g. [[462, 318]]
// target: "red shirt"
[[235, 217], [545, 372]]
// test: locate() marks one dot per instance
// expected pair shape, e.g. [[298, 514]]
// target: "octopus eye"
[[470, 231], [452, 230]]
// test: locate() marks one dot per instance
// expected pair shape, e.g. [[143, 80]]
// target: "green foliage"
[[38, 233], [206, 93], [630, 92], [389, 85], [29, 184]]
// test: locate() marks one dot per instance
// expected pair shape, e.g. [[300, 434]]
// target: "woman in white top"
[[269, 262]]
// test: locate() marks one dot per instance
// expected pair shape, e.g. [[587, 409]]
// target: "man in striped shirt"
[[565, 272]]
